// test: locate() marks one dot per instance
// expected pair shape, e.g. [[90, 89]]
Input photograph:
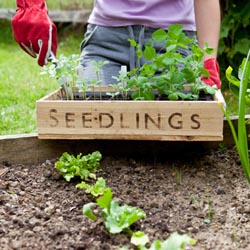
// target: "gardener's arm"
[[33, 30], [207, 15]]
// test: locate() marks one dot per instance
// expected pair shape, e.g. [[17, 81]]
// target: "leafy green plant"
[[117, 218], [169, 72], [234, 34], [64, 70], [83, 166], [174, 242], [83, 85], [121, 86], [241, 137], [165, 74], [95, 190]]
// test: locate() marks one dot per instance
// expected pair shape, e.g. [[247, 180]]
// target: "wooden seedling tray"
[[130, 120]]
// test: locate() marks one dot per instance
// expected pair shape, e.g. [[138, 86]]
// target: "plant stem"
[[242, 133]]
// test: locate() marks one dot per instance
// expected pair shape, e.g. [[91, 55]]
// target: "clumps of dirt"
[[204, 195]]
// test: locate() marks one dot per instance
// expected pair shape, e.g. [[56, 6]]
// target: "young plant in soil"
[[241, 89], [83, 166], [117, 218], [163, 76], [174, 242], [166, 74], [64, 71], [96, 190]]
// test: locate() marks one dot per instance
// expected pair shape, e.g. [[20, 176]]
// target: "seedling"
[[117, 218], [168, 73], [95, 190], [98, 65], [241, 89], [165, 74], [121, 86], [65, 72], [174, 242], [83, 166]]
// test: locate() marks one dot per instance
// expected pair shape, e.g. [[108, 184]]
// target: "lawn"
[[21, 83]]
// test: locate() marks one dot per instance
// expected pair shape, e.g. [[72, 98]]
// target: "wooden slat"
[[28, 149], [60, 16]]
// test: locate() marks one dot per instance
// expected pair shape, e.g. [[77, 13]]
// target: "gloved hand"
[[33, 29], [212, 66]]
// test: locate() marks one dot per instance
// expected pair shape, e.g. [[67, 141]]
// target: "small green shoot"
[[95, 190], [83, 166], [65, 73]]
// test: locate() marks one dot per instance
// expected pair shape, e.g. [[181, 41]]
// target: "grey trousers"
[[111, 44]]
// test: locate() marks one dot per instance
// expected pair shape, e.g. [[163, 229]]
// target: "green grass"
[[54, 4], [21, 84]]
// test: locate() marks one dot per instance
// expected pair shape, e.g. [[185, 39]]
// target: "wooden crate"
[[130, 120]]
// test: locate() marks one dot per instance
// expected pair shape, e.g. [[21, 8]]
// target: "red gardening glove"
[[33, 29], [212, 66]]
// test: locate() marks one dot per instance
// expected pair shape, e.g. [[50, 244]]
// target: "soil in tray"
[[204, 195], [91, 96]]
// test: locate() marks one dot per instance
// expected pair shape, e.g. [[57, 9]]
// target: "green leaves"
[[64, 72], [174, 242], [241, 138], [120, 218], [234, 82], [80, 166], [159, 36], [87, 211], [95, 190], [174, 66], [117, 218]]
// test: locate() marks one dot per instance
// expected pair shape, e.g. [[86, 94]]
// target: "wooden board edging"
[[28, 149]]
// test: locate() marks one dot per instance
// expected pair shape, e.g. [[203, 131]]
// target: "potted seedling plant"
[[163, 99]]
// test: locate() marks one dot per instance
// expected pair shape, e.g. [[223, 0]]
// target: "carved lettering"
[[53, 118], [122, 122], [105, 120], [69, 118], [85, 120], [156, 123], [198, 125], [179, 122], [107, 125], [137, 120]]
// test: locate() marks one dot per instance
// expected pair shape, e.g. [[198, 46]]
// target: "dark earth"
[[204, 195]]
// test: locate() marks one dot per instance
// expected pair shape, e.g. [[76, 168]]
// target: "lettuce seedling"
[[117, 218], [95, 190], [83, 166], [174, 242]]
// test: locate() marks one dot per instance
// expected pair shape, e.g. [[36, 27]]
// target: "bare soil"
[[204, 195]]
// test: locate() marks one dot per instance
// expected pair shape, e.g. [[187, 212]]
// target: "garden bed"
[[200, 193]]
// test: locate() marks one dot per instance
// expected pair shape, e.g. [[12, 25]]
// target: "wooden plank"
[[28, 149], [60, 16]]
